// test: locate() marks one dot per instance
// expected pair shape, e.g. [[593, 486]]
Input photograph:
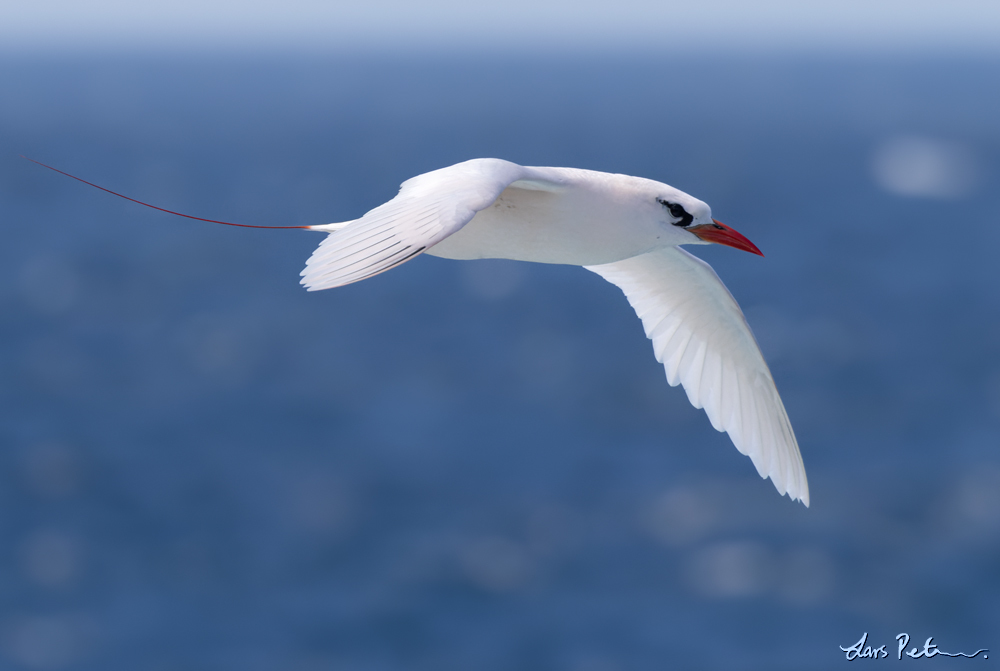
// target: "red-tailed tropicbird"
[[626, 229]]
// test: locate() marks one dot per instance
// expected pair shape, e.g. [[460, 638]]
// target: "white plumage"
[[625, 229]]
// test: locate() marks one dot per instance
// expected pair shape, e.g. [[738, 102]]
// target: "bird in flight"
[[626, 229]]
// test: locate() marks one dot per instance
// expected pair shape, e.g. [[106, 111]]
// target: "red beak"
[[721, 234]]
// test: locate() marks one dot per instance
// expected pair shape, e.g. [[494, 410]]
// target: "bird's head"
[[690, 215]]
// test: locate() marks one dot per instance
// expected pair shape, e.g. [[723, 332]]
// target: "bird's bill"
[[721, 234]]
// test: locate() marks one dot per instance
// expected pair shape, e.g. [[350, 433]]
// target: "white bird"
[[626, 229]]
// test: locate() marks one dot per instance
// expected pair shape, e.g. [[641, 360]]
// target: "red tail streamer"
[[161, 209]]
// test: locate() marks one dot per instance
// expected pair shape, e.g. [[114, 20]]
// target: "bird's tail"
[[330, 228], [162, 209]]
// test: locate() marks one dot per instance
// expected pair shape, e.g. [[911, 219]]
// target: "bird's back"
[[558, 215]]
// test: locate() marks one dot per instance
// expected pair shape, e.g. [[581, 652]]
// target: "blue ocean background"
[[480, 466]]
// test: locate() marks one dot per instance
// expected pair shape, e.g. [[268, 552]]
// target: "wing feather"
[[703, 341], [427, 209]]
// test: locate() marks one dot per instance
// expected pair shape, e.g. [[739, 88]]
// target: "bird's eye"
[[677, 210]]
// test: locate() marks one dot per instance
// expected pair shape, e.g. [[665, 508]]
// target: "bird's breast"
[[564, 226]]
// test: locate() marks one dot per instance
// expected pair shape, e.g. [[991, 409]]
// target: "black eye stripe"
[[677, 210]]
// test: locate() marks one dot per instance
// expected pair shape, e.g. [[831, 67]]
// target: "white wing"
[[702, 339], [427, 209]]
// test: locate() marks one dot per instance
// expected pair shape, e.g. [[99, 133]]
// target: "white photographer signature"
[[862, 651]]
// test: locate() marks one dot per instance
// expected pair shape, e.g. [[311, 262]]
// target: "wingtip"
[[309, 285], [306, 281], [802, 495], [795, 487]]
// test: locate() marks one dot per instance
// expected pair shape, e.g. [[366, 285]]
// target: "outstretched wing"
[[427, 209], [702, 339]]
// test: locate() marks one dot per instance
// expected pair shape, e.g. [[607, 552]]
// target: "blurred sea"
[[480, 466]]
